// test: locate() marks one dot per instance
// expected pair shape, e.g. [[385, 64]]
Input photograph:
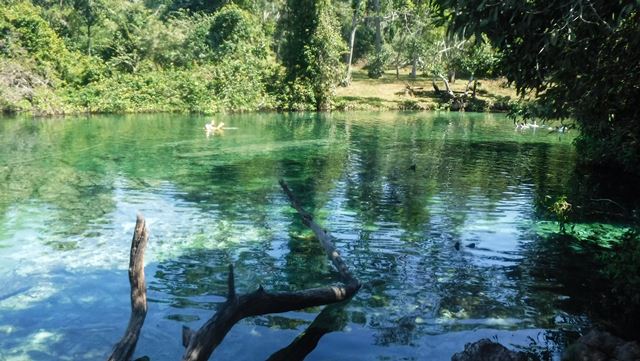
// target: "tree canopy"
[[580, 57], [576, 59]]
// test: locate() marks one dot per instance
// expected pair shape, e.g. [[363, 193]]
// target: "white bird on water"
[[211, 127]]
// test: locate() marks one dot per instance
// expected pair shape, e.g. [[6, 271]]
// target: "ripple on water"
[[398, 191]]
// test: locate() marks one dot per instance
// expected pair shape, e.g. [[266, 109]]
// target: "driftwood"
[[324, 238], [458, 99], [123, 350], [201, 344]]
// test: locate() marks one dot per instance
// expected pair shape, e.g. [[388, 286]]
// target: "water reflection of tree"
[[384, 189], [39, 165], [404, 222]]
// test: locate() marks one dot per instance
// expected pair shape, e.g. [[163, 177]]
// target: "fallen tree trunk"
[[457, 100], [323, 237], [201, 344], [123, 350]]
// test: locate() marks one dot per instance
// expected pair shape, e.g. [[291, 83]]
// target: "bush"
[[165, 91], [622, 274], [375, 69]]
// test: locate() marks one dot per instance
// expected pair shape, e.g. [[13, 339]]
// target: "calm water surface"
[[70, 189]]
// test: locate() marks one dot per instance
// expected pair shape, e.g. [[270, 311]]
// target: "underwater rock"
[[601, 345], [487, 350]]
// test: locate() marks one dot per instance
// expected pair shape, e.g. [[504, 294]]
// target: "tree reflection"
[[399, 191]]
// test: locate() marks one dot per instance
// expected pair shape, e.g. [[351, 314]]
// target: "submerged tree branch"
[[123, 350], [201, 344]]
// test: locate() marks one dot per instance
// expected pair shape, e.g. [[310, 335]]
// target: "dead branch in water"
[[201, 344], [123, 350]]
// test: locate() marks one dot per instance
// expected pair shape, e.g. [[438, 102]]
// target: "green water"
[[70, 189]]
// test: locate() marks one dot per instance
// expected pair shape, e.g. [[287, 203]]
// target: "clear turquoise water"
[[70, 189]]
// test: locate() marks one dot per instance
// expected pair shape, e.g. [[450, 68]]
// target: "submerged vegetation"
[[465, 219]]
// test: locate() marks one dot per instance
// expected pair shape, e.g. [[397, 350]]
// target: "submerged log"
[[124, 349], [324, 237], [201, 344]]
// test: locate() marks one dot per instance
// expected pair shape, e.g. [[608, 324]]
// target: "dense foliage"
[[310, 54], [128, 57], [209, 56], [581, 58]]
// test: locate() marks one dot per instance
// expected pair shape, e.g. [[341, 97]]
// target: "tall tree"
[[412, 32], [376, 67], [355, 19], [581, 57], [312, 48], [91, 12]]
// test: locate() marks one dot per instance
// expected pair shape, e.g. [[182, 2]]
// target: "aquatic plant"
[[561, 209]]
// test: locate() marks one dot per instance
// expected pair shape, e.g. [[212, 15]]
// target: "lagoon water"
[[70, 189]]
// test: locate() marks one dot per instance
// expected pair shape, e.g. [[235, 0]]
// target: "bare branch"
[[446, 84], [322, 235], [201, 344], [123, 350]]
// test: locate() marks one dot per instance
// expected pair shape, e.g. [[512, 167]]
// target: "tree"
[[413, 33], [355, 19], [91, 11], [376, 67], [311, 51], [241, 57], [580, 57]]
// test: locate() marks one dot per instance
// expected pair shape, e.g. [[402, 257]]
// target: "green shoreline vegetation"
[[88, 56], [549, 60], [117, 56]]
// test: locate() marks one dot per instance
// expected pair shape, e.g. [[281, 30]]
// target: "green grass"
[[389, 93]]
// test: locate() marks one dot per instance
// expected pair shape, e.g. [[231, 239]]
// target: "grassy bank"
[[391, 93]]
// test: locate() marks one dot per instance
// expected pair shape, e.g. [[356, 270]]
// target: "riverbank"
[[180, 91], [401, 92]]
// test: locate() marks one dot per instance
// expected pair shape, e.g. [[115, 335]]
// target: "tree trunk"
[[89, 39], [352, 40], [378, 28], [475, 83], [451, 74], [448, 90], [414, 67], [466, 89], [123, 350]]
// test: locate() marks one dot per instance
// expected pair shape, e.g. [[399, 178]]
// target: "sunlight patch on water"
[[398, 191], [25, 299], [37, 344]]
